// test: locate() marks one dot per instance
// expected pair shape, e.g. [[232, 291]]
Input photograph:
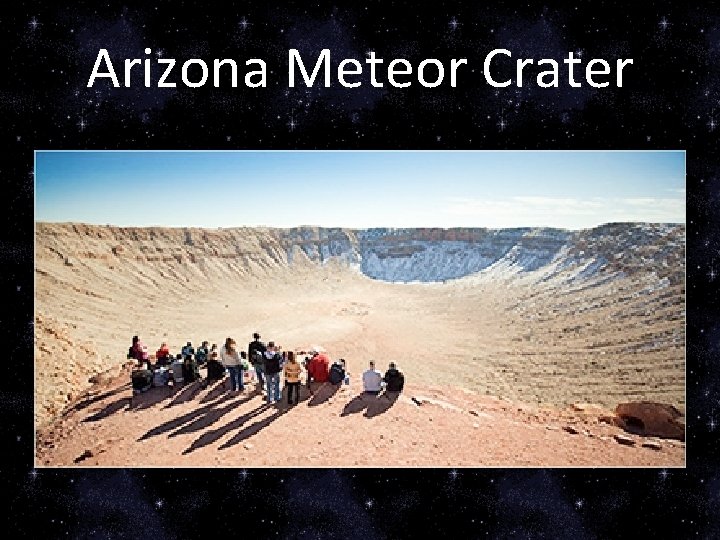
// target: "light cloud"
[[564, 212]]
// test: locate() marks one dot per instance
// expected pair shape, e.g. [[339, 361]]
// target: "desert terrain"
[[516, 352]]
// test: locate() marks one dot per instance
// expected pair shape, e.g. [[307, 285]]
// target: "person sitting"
[[188, 350], [215, 370], [337, 372], [163, 356], [394, 379], [201, 355], [138, 351], [372, 380], [318, 367], [177, 369], [190, 369]]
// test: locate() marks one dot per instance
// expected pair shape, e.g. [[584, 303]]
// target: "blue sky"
[[360, 189]]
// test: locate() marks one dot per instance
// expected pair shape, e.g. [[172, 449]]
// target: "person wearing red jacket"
[[319, 367], [138, 351], [162, 355]]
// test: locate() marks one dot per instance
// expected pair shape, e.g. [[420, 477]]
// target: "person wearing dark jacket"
[[394, 380], [255, 360]]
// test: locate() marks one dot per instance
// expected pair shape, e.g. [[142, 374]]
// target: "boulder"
[[623, 439], [651, 419]]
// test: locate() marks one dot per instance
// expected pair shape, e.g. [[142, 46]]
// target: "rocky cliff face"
[[396, 255]]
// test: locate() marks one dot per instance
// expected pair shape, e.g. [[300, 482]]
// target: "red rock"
[[654, 419]]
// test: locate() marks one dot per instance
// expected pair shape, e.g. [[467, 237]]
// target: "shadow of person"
[[211, 436], [218, 389], [381, 404], [180, 420], [253, 428], [357, 404], [112, 408], [323, 393], [145, 400], [92, 399], [185, 393], [211, 416]]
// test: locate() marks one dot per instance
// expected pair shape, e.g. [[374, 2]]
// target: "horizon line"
[[308, 226]]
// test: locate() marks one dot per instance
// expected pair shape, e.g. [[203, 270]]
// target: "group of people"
[[268, 363]]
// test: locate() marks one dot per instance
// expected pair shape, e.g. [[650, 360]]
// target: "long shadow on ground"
[[210, 416], [112, 408], [90, 400], [180, 420], [210, 437], [217, 388], [381, 404], [323, 393], [254, 428], [186, 393], [372, 405], [152, 397]]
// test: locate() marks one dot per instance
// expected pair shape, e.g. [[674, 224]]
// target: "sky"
[[571, 190]]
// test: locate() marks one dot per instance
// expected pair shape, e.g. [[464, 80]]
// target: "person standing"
[[256, 352], [292, 378], [372, 380], [272, 367], [230, 358]]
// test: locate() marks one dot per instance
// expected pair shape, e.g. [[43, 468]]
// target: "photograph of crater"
[[534, 303]]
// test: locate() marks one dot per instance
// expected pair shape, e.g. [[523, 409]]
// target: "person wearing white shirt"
[[372, 380]]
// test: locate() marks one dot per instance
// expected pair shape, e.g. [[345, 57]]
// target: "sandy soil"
[[470, 345], [338, 426]]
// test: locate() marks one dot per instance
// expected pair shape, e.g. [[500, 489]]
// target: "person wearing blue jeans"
[[272, 368], [232, 361], [236, 378], [260, 372], [273, 387]]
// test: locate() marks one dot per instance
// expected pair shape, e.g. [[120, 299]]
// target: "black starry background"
[[670, 100]]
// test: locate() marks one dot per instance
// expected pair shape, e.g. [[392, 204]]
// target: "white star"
[[243, 23], [33, 24], [712, 424], [33, 474], [81, 124], [664, 474], [579, 503], [454, 474], [159, 503], [292, 124], [369, 503], [663, 24], [712, 124], [244, 474], [453, 24], [502, 124]]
